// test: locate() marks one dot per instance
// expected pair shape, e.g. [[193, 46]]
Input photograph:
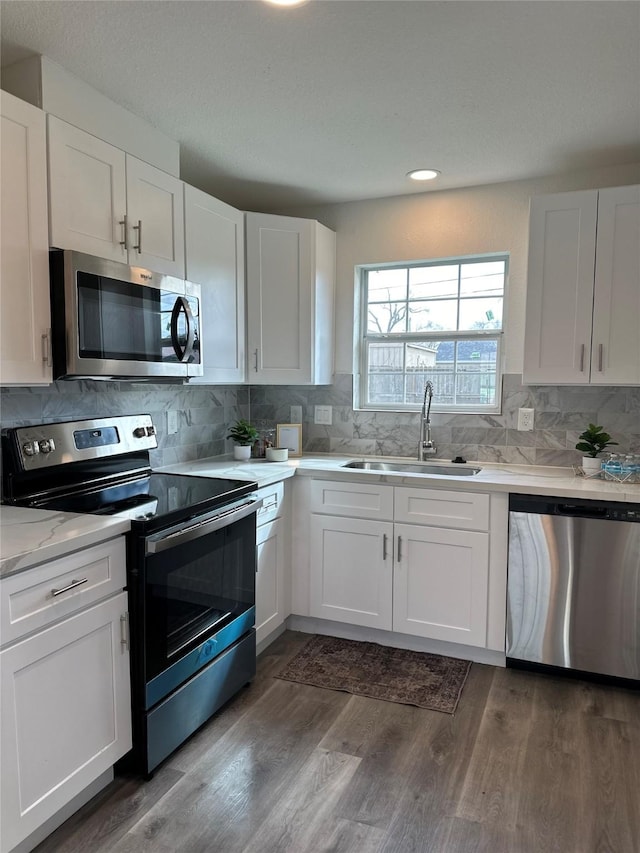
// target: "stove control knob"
[[47, 445], [139, 432], [30, 448]]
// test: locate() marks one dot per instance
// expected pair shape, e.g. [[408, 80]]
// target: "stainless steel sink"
[[442, 470]]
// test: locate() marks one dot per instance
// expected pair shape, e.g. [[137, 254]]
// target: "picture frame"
[[290, 436]]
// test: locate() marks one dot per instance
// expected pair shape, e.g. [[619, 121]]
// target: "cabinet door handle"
[[124, 630], [255, 355], [46, 348], [582, 359], [71, 586], [600, 356], [124, 242], [384, 546], [138, 228], [399, 548]]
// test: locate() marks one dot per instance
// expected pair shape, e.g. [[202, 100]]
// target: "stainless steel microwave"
[[110, 320]]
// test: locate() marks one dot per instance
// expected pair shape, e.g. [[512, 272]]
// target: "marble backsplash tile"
[[206, 412], [561, 413]]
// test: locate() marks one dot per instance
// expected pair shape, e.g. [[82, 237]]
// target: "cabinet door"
[[24, 316], [66, 714], [440, 584], [616, 306], [214, 257], [87, 193], [280, 278], [155, 211], [351, 565], [269, 579], [562, 241]]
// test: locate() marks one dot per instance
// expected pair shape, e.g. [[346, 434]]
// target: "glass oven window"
[[196, 589]]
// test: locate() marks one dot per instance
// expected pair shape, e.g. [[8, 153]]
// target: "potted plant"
[[243, 434], [592, 442]]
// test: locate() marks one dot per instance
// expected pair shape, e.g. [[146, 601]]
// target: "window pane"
[[482, 279], [435, 316], [463, 296], [476, 373], [463, 373], [428, 282], [481, 314], [385, 285], [387, 317]]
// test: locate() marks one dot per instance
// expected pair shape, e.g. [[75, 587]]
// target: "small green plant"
[[593, 440], [242, 432]]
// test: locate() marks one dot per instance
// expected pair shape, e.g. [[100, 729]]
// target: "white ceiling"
[[337, 99]]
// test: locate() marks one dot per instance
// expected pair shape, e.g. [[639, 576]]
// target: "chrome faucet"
[[425, 446]]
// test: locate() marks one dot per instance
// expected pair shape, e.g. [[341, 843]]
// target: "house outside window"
[[440, 321]]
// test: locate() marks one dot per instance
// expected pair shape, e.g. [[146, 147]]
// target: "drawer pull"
[[71, 586]]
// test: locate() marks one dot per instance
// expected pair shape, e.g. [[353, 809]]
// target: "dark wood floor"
[[528, 764]]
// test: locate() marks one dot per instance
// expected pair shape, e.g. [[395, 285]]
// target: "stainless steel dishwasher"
[[574, 586]]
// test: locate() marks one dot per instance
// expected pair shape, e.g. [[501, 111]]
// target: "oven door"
[[199, 595], [113, 320]]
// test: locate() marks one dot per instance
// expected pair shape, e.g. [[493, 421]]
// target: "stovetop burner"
[[102, 467]]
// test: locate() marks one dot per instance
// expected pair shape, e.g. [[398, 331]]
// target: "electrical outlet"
[[525, 419], [323, 415], [172, 422], [296, 415]]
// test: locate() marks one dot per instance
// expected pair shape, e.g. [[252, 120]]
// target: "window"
[[439, 321]]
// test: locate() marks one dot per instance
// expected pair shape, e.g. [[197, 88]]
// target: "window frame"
[[364, 337]]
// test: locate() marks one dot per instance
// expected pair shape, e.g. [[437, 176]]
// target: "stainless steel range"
[[190, 572]]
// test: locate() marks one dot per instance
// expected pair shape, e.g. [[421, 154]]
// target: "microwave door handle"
[[204, 528], [182, 353]]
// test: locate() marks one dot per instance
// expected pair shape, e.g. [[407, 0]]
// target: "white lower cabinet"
[[269, 579], [272, 552], [429, 580], [65, 700], [440, 584], [351, 570]]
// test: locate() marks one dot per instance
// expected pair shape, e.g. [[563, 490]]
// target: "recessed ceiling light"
[[286, 2], [423, 174]]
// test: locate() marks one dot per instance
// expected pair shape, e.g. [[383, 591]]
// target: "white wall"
[[492, 218]]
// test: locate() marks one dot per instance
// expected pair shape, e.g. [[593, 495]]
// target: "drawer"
[[32, 599], [272, 497], [359, 500], [441, 508]]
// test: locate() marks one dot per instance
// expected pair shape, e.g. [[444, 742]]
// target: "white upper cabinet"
[[87, 190], [290, 297], [615, 355], [24, 281], [109, 204], [583, 295], [214, 256], [155, 213]]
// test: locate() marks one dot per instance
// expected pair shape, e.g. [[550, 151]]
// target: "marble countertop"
[[32, 536], [522, 479]]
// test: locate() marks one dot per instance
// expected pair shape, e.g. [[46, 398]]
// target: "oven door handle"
[[204, 528]]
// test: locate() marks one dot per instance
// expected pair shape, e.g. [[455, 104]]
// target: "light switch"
[[296, 415], [172, 422], [323, 415]]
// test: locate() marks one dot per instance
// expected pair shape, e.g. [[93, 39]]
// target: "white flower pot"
[[242, 452], [591, 465]]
